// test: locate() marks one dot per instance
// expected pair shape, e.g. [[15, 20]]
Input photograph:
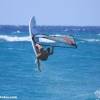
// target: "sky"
[[50, 12]]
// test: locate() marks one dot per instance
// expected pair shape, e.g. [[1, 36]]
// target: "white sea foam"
[[91, 40], [98, 34], [97, 94], [14, 38], [18, 31]]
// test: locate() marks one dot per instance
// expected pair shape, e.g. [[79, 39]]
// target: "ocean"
[[69, 74]]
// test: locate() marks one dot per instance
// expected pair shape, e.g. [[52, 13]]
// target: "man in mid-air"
[[42, 54]]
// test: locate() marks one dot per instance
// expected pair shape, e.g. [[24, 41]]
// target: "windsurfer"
[[42, 54]]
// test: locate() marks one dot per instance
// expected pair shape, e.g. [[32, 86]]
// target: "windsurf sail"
[[32, 26], [57, 40], [52, 40]]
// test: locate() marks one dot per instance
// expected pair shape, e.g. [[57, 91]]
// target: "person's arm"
[[38, 62]]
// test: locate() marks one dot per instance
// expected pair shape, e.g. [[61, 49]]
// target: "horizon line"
[[53, 25]]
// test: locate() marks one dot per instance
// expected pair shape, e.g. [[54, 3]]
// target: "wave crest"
[[14, 38], [92, 40]]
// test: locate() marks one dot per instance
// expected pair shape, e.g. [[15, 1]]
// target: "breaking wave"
[[14, 38], [28, 39], [90, 40]]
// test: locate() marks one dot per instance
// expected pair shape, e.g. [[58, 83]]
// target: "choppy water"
[[70, 74]]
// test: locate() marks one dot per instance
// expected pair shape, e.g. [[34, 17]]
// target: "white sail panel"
[[44, 40]]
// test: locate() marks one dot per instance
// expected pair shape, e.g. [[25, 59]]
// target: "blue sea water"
[[70, 74]]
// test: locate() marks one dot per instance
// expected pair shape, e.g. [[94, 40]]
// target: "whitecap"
[[97, 94], [92, 40], [14, 38], [98, 34]]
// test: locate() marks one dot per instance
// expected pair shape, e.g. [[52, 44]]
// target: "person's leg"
[[37, 61]]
